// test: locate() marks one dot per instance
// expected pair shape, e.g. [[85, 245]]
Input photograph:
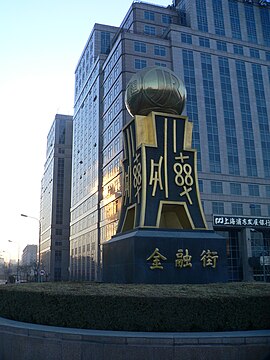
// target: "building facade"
[[29, 255], [221, 50], [53, 254]]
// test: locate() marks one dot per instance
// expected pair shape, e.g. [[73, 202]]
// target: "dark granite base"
[[125, 257]]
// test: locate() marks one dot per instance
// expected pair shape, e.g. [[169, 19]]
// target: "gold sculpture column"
[[160, 186]]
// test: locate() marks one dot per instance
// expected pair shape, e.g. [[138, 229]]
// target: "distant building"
[[221, 50], [55, 201], [29, 255]]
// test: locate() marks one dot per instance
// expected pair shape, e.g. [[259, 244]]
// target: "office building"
[[221, 50], [29, 255], [53, 254]]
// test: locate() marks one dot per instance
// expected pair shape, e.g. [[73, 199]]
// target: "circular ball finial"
[[155, 89]]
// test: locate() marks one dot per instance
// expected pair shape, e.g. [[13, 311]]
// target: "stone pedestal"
[[156, 256]]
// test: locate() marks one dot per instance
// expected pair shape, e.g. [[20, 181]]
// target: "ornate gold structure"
[[160, 187], [155, 89]]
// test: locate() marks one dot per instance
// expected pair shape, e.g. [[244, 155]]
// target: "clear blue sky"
[[41, 42]]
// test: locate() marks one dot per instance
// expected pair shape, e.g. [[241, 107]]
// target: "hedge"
[[162, 308]]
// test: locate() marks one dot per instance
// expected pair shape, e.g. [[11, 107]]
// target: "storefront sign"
[[240, 221]]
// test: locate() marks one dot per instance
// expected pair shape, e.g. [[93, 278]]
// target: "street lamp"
[[39, 232]]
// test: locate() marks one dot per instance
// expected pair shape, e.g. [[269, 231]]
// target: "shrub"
[[162, 308]]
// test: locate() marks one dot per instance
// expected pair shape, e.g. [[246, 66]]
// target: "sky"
[[41, 42]]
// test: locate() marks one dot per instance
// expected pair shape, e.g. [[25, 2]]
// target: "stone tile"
[[205, 353], [71, 350], [92, 351]]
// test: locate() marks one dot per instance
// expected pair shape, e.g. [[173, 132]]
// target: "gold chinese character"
[[155, 175], [183, 176], [156, 257], [183, 260], [209, 258], [137, 176]]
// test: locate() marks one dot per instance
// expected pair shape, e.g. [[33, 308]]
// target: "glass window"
[[267, 191], [237, 209], [166, 19], [245, 107], [186, 38], [160, 64], [105, 42], [267, 55], [149, 30], [140, 64], [204, 42], [221, 45], [200, 182], [218, 207], [211, 113], [229, 119], [149, 15], [238, 49], [218, 17], [255, 209], [159, 50], [235, 19], [202, 15], [216, 187], [140, 46], [253, 190], [235, 189], [254, 53], [251, 23]]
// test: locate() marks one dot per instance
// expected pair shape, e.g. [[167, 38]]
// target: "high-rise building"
[[221, 50], [53, 254], [29, 255]]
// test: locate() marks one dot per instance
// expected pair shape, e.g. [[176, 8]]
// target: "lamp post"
[[39, 232]]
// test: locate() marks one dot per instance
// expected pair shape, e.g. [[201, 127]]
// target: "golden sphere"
[[155, 89]]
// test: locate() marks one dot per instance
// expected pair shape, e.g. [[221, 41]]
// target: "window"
[[255, 209], [267, 191], [58, 255], [204, 42], [166, 19], [238, 49], [237, 209], [160, 64], [58, 231], [216, 187], [149, 30], [218, 207], [221, 45], [159, 50], [186, 38], [105, 42], [140, 64], [267, 55], [254, 53], [253, 190], [149, 15], [140, 46], [200, 182], [235, 189], [202, 15]]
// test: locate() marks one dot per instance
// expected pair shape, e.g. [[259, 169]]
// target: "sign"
[[42, 272], [240, 221]]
